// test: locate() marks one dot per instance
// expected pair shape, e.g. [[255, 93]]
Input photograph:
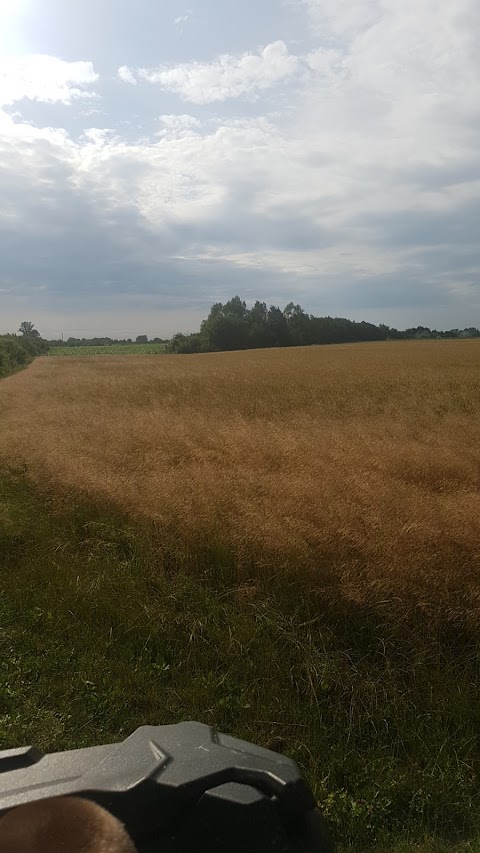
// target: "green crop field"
[[115, 349]]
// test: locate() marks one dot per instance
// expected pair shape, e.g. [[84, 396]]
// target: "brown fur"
[[62, 825]]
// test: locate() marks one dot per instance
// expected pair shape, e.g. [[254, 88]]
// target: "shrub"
[[16, 352]]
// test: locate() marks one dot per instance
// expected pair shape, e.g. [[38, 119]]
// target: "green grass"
[[102, 630], [115, 349]]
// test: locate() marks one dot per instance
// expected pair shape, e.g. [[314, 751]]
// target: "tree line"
[[233, 326], [104, 341]]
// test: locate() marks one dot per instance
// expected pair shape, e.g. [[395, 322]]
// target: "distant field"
[[121, 349], [283, 543]]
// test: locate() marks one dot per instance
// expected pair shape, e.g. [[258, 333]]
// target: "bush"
[[187, 344], [16, 352]]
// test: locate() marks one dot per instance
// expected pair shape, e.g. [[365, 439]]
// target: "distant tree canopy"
[[233, 326], [28, 330], [102, 342]]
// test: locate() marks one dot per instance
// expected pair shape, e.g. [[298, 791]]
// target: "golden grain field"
[[357, 465]]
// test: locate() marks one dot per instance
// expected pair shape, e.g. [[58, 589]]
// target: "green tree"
[[186, 343], [28, 330], [257, 326], [277, 328], [228, 332], [141, 339], [299, 325], [227, 326], [236, 307], [233, 326]]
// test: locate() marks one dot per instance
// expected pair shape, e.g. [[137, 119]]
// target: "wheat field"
[[284, 544], [357, 466]]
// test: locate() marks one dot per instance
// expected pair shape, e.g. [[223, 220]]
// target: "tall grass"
[[358, 466], [283, 543]]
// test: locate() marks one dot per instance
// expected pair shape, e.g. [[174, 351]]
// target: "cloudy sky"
[[157, 156]]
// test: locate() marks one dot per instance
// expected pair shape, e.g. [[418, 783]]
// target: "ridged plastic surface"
[[179, 788]]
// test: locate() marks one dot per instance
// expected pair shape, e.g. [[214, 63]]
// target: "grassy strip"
[[114, 349], [102, 632]]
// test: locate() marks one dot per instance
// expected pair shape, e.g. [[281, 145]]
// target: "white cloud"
[[126, 75], [342, 18], [226, 77], [388, 93], [184, 19], [97, 136], [39, 77], [402, 88], [178, 125], [370, 171]]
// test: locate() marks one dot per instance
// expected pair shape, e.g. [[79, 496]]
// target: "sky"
[[156, 157]]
